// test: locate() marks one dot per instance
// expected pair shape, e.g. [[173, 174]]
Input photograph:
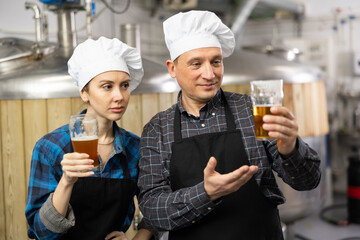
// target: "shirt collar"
[[210, 106]]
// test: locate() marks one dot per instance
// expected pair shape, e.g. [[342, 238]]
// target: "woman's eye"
[[126, 85], [107, 86]]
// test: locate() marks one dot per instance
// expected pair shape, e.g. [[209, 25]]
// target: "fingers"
[[217, 185], [116, 235], [283, 125], [77, 165], [241, 175], [210, 167], [279, 110]]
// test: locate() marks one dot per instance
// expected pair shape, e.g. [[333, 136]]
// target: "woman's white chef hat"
[[93, 57], [197, 29]]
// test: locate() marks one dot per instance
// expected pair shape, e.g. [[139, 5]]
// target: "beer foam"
[[84, 138]]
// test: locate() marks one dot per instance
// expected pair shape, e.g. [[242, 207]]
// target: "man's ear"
[[171, 68]]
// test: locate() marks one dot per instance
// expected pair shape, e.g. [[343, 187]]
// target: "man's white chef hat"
[[93, 57], [197, 29]]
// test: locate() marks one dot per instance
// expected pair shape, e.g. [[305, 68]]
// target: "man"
[[202, 173]]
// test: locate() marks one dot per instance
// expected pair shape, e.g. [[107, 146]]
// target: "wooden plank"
[[77, 105], [14, 169], [150, 106], [230, 88], [323, 120], [165, 101], [58, 112], [35, 126], [2, 193], [132, 119]]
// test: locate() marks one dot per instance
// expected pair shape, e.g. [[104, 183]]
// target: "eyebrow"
[[200, 58], [111, 81]]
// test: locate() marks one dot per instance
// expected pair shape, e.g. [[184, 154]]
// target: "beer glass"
[[84, 134], [264, 95]]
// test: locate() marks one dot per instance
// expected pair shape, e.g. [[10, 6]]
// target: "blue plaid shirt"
[[165, 209], [46, 172]]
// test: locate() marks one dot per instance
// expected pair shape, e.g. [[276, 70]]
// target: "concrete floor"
[[315, 228]]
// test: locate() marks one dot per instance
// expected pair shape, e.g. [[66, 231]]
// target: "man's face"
[[199, 73]]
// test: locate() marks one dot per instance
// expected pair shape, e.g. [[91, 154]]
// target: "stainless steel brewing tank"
[[244, 66], [24, 76]]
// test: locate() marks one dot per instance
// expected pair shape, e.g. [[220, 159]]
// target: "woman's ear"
[[171, 68], [84, 96]]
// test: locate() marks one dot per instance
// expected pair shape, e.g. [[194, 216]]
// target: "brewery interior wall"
[[329, 33]]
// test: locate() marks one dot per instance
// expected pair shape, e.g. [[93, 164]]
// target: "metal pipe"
[[245, 9], [290, 6], [242, 14], [88, 8], [130, 34], [38, 20], [67, 38]]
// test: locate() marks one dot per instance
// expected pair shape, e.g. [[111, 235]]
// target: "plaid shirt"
[[46, 173], [166, 209]]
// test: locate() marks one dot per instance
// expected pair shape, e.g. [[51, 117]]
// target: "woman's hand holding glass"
[[75, 165]]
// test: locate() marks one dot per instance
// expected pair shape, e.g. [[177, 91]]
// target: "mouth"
[[208, 85], [117, 109]]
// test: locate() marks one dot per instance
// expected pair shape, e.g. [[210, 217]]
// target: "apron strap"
[[177, 125], [230, 122], [125, 167]]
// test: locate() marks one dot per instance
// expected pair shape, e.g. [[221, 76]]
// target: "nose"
[[117, 95], [208, 72]]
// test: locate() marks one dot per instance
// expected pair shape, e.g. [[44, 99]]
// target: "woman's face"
[[108, 95]]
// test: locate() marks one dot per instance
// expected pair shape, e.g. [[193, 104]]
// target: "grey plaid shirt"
[[168, 210]]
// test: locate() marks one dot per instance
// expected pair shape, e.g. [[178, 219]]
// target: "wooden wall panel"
[[58, 111], [35, 126], [13, 169], [2, 194], [77, 105], [132, 119], [150, 106], [166, 100]]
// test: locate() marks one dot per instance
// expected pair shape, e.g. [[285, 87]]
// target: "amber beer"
[[87, 145], [259, 112]]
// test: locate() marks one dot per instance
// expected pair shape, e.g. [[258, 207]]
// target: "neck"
[[191, 106], [106, 133]]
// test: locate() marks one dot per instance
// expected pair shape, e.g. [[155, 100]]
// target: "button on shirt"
[[168, 210], [46, 173]]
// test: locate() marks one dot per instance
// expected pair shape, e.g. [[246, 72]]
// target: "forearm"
[[61, 197], [169, 210], [301, 170], [142, 234]]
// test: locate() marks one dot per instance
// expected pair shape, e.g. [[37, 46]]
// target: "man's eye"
[[217, 62], [195, 64]]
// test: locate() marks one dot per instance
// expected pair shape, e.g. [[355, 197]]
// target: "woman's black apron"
[[100, 205], [246, 214]]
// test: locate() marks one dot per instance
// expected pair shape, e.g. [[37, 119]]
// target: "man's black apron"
[[100, 205], [246, 214]]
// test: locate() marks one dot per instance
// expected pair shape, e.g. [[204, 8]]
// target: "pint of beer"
[[264, 95], [84, 135]]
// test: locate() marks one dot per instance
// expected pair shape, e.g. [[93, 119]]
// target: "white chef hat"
[[197, 29], [93, 57]]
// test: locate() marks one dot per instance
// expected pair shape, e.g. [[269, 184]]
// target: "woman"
[[67, 198]]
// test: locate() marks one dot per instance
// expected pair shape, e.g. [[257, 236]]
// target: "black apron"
[[246, 214], [100, 205]]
